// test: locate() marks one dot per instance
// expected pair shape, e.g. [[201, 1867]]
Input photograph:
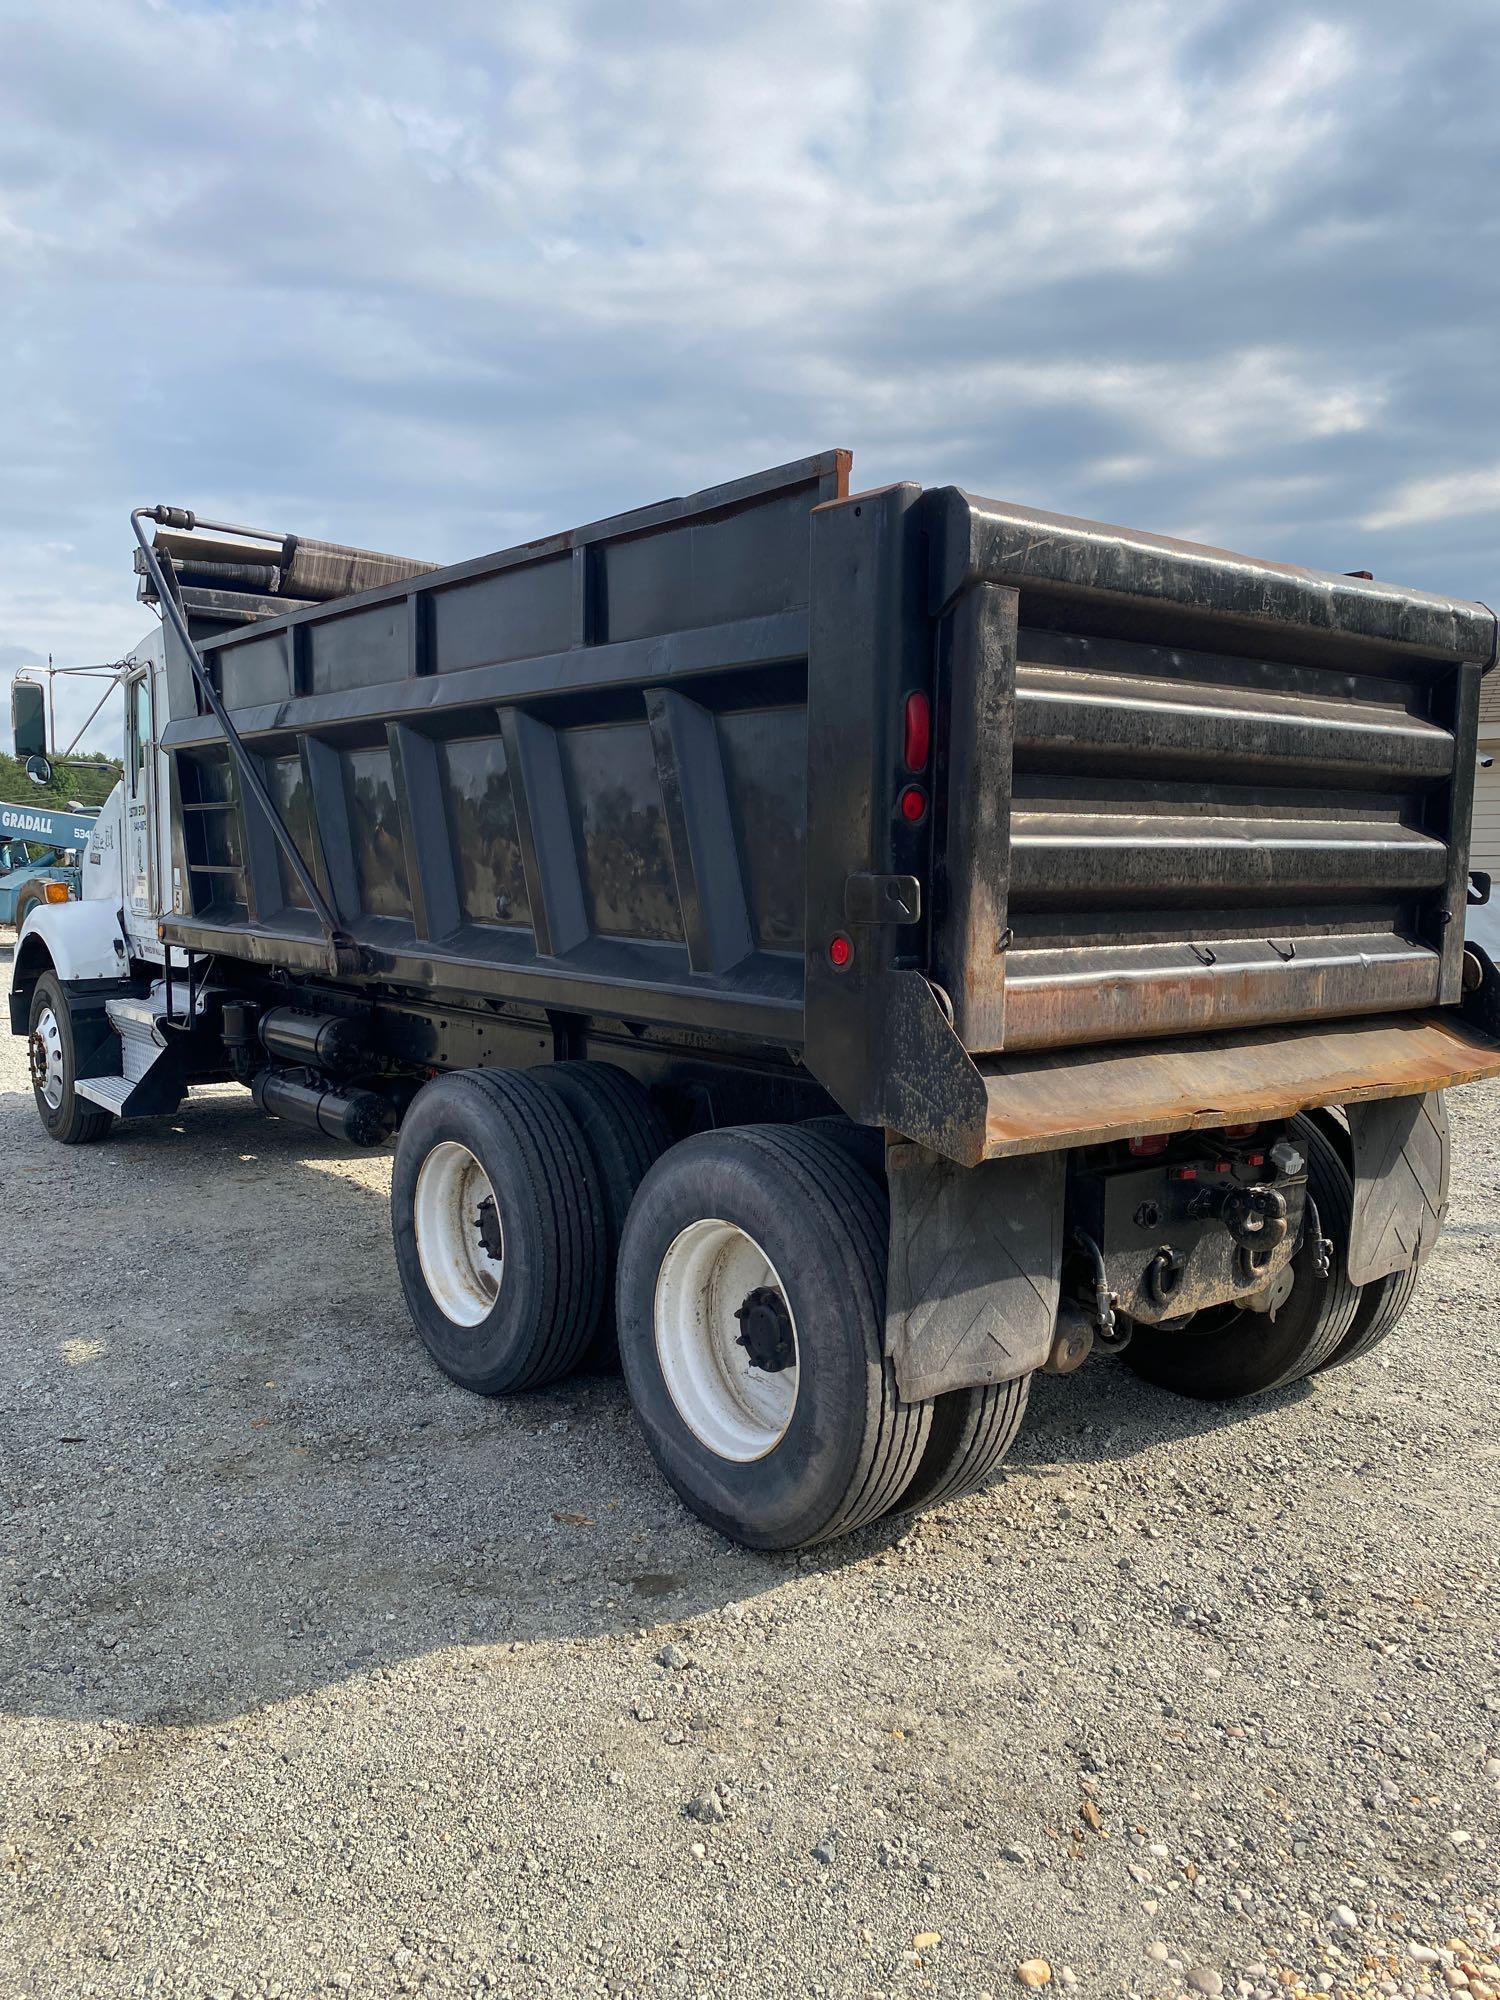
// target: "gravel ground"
[[319, 1676]]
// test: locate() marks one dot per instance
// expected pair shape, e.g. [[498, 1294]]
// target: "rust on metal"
[[1079, 994], [1078, 1098]]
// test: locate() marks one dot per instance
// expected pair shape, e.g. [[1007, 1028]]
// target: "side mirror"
[[39, 770]]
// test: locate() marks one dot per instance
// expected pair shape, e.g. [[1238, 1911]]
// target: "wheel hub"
[[766, 1331], [726, 1339], [490, 1239], [460, 1236], [45, 1053]]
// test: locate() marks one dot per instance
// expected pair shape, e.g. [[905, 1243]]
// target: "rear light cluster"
[[916, 752], [917, 737], [912, 801], [1148, 1144]]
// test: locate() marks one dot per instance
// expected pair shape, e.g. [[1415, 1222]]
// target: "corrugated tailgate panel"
[[1237, 792], [1202, 840]]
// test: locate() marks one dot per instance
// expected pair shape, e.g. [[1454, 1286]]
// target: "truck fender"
[[1399, 1156], [81, 942], [975, 1267]]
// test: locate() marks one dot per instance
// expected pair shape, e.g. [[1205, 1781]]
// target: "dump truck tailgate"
[[1205, 791]]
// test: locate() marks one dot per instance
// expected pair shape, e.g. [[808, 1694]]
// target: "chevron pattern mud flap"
[[1400, 1147], [976, 1258]]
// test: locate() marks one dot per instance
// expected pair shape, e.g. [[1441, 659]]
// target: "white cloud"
[[437, 280], [1170, 412], [786, 160], [1443, 496]]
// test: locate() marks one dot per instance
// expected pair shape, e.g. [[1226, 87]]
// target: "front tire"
[[499, 1230], [751, 1305], [52, 1051]]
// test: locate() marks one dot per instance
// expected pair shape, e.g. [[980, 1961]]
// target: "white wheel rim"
[[47, 1059], [738, 1409], [463, 1276]]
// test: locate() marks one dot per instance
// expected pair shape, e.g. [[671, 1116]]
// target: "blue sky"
[[439, 279]]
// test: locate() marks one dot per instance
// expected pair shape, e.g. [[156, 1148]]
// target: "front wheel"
[[52, 1052], [750, 1304]]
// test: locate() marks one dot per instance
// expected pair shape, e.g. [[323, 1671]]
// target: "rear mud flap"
[[1400, 1159], [975, 1266]]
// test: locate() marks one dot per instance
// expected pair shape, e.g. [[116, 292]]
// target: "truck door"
[[140, 859]]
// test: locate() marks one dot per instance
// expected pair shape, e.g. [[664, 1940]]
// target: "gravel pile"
[[320, 1677]]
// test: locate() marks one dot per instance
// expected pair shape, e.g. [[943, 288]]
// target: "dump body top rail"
[[1304, 612]]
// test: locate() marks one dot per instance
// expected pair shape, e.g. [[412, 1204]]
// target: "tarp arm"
[[344, 953]]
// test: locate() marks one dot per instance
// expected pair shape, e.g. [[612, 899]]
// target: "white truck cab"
[[124, 871], [76, 963]]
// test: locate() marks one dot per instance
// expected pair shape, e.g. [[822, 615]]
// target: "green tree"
[[89, 783]]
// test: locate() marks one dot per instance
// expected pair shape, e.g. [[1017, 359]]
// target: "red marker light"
[[1148, 1144], [913, 805], [1240, 1131], [840, 952], [918, 732]]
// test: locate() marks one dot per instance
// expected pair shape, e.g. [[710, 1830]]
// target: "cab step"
[[151, 1079]]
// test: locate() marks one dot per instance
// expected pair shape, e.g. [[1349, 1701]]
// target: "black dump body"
[[656, 770]]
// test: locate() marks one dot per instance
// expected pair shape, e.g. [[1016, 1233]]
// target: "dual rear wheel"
[[1227, 1352], [536, 1213]]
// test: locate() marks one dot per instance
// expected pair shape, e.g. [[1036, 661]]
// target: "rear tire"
[[625, 1136], [1381, 1305], [499, 1230], [972, 1431], [1245, 1354], [52, 1052], [864, 1144], [791, 1429], [31, 898]]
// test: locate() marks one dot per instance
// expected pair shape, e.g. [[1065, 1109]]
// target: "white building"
[[1485, 851]]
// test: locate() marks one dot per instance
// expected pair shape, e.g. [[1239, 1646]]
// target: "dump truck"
[[846, 951]]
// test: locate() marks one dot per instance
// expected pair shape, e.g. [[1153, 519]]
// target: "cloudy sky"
[[440, 278]]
